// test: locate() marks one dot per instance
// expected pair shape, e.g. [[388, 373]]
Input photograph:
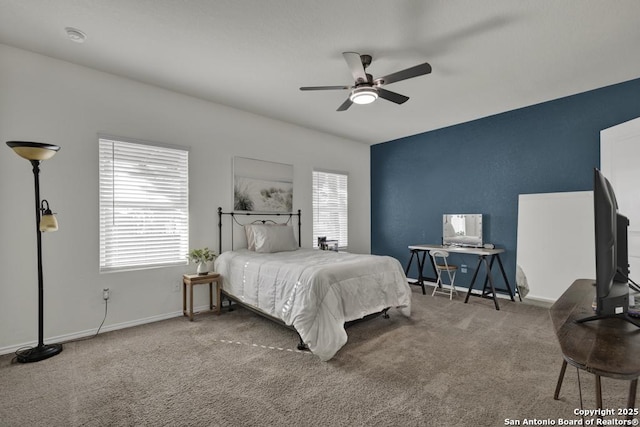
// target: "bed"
[[312, 291]]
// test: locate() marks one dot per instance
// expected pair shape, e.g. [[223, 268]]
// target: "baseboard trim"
[[107, 328], [537, 301], [501, 294]]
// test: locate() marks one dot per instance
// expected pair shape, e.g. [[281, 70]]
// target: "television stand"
[[623, 316], [604, 349]]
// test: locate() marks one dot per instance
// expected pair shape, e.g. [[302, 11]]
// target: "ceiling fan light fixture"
[[363, 95]]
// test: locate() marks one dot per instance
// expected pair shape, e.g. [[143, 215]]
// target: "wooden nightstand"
[[189, 280]]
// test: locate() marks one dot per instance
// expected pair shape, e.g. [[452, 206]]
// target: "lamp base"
[[38, 353]]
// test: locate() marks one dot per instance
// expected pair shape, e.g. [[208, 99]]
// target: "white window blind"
[[330, 207], [144, 205]]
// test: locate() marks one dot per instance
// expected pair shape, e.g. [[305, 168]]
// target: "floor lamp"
[[36, 152]]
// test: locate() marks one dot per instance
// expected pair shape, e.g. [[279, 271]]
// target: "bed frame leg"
[[229, 306], [301, 345]]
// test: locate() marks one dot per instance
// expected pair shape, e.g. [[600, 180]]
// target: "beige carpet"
[[450, 364]]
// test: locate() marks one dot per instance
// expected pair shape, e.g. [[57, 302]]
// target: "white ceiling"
[[488, 56]]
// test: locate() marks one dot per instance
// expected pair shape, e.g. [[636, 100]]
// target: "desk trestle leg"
[[420, 262]]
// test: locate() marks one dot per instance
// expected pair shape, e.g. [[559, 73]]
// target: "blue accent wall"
[[483, 165]]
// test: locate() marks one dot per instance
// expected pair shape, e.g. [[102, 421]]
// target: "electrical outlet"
[[106, 294], [463, 268]]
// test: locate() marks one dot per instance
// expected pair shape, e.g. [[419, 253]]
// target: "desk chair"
[[441, 265]]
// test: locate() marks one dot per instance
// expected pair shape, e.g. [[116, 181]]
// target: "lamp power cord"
[[25, 350]]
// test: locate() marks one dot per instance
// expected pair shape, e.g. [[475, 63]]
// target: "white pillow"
[[269, 239], [251, 241]]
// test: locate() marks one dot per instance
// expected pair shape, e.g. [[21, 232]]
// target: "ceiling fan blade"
[[325, 88], [354, 62], [416, 71], [392, 96], [345, 105]]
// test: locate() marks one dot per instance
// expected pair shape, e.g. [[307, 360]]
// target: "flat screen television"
[[612, 263], [462, 230]]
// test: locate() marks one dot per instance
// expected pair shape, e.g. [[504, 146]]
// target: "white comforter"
[[316, 291]]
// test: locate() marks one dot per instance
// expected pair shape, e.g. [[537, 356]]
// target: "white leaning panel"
[[555, 241]]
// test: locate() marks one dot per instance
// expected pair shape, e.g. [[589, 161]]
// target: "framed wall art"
[[262, 186]]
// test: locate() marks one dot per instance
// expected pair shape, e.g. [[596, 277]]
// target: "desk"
[[488, 289], [605, 348]]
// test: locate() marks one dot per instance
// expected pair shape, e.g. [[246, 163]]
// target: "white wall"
[[46, 100]]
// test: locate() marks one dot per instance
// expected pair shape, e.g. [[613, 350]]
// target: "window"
[[330, 207], [144, 205]]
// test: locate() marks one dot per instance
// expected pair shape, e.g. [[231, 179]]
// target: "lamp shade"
[[33, 150], [48, 221]]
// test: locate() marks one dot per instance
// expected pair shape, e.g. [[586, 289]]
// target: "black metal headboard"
[[288, 215]]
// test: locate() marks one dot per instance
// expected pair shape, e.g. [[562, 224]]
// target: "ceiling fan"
[[365, 90]]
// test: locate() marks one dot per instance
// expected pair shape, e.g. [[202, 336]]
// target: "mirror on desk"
[[462, 229]]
